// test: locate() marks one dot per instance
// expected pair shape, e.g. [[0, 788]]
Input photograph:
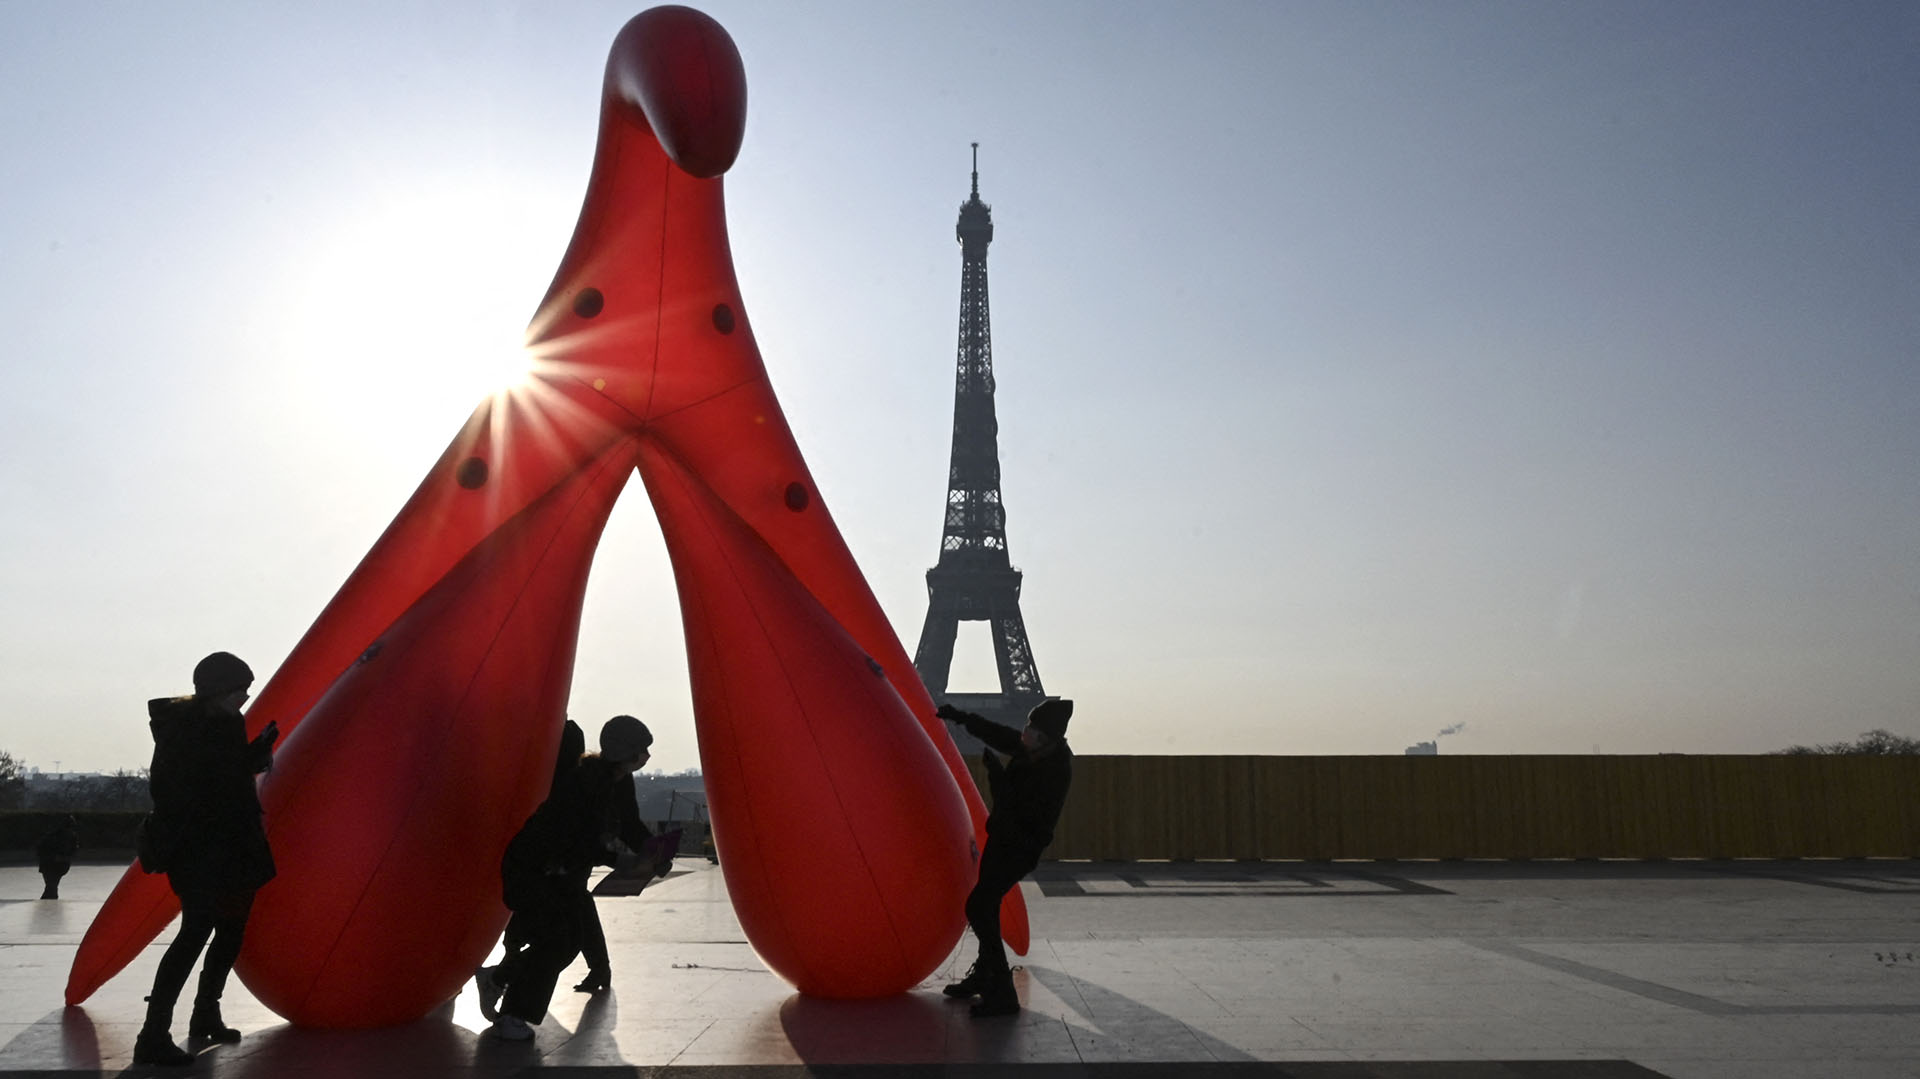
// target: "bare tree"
[[13, 781], [1875, 743]]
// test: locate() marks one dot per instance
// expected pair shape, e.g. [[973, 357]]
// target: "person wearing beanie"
[[1028, 791], [206, 835], [573, 746], [593, 938], [544, 874]]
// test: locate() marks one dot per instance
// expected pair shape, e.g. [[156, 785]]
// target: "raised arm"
[[993, 735]]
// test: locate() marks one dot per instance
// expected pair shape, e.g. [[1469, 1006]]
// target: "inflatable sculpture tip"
[[682, 72]]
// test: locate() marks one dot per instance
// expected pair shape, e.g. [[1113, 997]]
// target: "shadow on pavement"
[[911, 1027], [430, 1046], [62, 1040]]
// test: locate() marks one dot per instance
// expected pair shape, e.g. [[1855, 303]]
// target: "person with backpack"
[[593, 938], [545, 869], [206, 834]]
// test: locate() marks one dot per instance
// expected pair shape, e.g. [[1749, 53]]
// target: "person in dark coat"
[[55, 853], [593, 937], [1028, 791], [544, 872], [210, 842]]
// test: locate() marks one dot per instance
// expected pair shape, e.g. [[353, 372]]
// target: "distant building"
[[1424, 749], [123, 791]]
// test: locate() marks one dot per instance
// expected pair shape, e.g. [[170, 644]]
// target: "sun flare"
[[417, 308]]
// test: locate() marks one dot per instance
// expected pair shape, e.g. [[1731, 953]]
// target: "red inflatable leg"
[[401, 788], [842, 837]]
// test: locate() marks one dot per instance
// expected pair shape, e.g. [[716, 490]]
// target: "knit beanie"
[[1051, 716], [624, 738], [220, 674]]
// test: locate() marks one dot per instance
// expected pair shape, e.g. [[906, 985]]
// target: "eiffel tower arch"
[[974, 579]]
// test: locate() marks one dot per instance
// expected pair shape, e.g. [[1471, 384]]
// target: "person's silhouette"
[[545, 869], [210, 842], [1028, 794]]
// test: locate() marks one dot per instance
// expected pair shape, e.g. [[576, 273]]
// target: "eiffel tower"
[[974, 581]]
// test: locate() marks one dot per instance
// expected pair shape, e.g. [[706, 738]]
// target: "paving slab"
[[1395, 970]]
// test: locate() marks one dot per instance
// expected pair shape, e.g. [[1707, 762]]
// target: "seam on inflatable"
[[668, 168]]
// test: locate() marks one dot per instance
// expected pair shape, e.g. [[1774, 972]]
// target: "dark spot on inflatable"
[[589, 303], [372, 651], [723, 318], [874, 666], [472, 473], [796, 497]]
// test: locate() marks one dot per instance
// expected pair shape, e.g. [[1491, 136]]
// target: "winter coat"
[[1029, 791], [572, 831], [204, 801], [57, 848]]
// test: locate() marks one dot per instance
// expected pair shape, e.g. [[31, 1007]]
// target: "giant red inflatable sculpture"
[[422, 710]]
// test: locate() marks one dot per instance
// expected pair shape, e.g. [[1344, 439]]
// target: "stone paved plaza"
[[1412, 970]]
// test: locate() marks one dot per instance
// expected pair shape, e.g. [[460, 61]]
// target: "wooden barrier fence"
[[1665, 806]]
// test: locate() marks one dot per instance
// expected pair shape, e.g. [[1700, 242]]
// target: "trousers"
[[593, 937], [550, 927], [1002, 865], [220, 915]]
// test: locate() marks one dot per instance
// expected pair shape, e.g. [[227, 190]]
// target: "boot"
[[999, 999], [997, 996], [972, 985], [206, 1023], [596, 981], [155, 1046]]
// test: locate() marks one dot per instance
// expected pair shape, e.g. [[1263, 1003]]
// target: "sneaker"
[[974, 984], [156, 1047], [596, 981], [490, 991], [511, 1028]]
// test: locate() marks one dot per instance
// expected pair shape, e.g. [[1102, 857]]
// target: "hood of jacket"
[[168, 717]]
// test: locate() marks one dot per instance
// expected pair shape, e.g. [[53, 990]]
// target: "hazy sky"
[[1364, 368]]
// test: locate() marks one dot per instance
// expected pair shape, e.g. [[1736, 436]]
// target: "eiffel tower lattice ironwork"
[[974, 580]]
